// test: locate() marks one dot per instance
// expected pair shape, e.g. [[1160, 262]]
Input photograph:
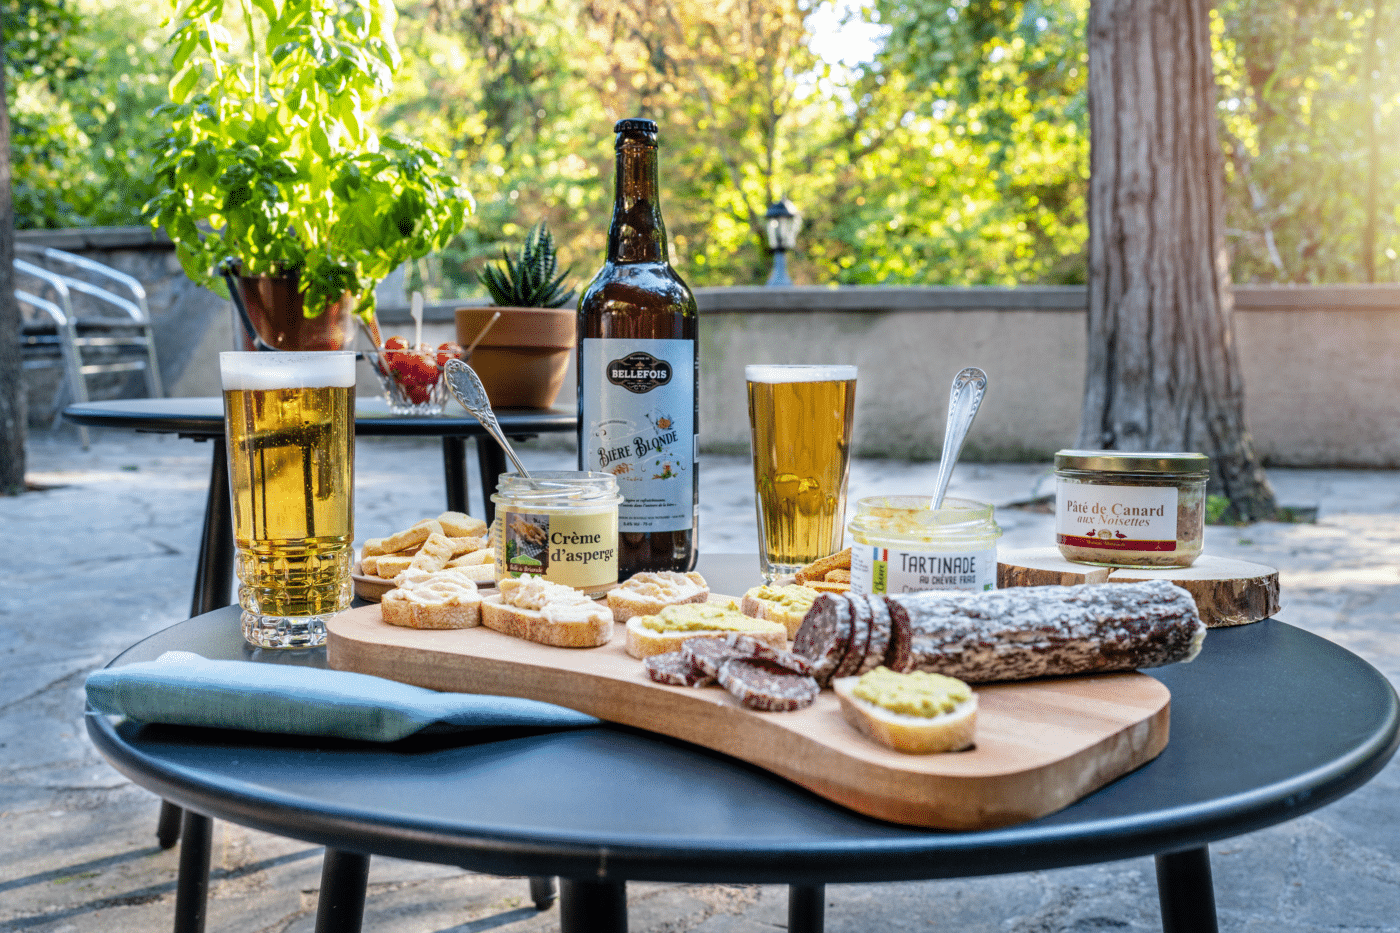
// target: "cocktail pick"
[[963, 401]]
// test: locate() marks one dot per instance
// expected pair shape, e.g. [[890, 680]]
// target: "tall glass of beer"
[[801, 418], [289, 420]]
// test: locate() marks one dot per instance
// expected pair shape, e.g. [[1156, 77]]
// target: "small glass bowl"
[[412, 379]]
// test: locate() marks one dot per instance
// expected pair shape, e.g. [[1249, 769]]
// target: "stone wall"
[[1319, 362]]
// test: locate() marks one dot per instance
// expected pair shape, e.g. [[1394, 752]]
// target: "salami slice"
[[860, 636], [880, 634], [673, 668], [1042, 631], [900, 656], [763, 685], [707, 654], [752, 647], [825, 635]]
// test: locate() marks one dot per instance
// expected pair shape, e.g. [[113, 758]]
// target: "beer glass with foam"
[[289, 421], [800, 418]]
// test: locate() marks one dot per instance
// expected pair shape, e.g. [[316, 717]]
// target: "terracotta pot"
[[275, 306], [524, 357]]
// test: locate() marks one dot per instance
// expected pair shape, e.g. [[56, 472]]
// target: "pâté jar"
[[900, 545], [1117, 509], [561, 525]]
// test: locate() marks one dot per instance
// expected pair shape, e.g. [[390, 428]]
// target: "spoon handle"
[[963, 401], [467, 389]]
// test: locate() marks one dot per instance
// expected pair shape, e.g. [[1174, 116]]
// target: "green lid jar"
[[1139, 509], [561, 525], [900, 545]]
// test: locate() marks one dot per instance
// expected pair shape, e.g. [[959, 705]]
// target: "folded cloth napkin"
[[185, 689]]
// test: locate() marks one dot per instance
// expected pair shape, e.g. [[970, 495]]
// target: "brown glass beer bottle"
[[639, 371]]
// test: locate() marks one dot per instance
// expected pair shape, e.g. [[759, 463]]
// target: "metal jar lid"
[[1145, 461]]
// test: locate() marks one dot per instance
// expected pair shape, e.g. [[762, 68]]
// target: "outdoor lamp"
[[784, 223]]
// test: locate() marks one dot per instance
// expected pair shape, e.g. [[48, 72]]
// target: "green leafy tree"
[[82, 88]]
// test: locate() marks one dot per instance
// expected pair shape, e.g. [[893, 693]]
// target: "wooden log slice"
[[1227, 591]]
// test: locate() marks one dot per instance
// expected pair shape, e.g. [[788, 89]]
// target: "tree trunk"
[[12, 402], [1162, 369]]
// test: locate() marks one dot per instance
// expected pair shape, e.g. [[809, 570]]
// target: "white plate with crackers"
[[452, 539]]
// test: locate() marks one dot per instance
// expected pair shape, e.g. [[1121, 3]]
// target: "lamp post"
[[784, 223]]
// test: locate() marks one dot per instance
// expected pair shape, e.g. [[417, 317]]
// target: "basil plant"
[[271, 161]]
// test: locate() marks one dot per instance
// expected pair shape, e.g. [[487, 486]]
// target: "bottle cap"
[[635, 125]]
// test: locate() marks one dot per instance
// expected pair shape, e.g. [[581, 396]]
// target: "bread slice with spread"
[[532, 608], [668, 629]]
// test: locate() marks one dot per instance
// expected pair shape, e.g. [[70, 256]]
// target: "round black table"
[[605, 805], [203, 419]]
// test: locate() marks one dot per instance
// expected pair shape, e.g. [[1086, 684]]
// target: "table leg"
[[544, 891], [192, 883], [806, 908], [454, 473], [341, 905], [213, 579], [168, 828], [1186, 892], [592, 906]]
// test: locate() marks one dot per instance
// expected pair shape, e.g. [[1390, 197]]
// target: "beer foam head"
[[814, 372], [286, 369]]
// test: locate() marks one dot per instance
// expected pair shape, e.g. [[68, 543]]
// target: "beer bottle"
[[639, 371]]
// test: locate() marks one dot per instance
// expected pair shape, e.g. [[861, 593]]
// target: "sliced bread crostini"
[[443, 599], [534, 609], [916, 713], [785, 604], [668, 629], [646, 594]]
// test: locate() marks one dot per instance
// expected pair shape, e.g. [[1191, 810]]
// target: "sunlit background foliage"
[[934, 143]]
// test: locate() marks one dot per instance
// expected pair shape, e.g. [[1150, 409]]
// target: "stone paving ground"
[[104, 555]]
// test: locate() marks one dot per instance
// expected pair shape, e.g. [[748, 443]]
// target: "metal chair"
[[84, 328]]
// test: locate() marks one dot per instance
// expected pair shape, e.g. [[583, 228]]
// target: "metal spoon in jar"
[[467, 388], [963, 401]]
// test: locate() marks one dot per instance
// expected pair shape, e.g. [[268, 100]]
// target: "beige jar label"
[[577, 549], [1116, 518]]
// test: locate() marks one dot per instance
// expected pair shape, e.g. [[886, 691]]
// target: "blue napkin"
[[185, 689]]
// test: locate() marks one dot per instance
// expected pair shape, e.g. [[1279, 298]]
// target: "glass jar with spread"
[[1119, 509], [561, 525], [903, 546]]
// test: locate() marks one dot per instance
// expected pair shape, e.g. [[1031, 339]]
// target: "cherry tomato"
[[396, 343], [418, 394], [448, 351]]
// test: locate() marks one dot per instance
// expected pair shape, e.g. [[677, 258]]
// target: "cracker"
[[411, 537], [838, 576], [468, 545], [434, 554], [369, 566], [474, 559], [389, 566], [818, 569], [481, 574], [823, 586], [461, 525], [373, 547]]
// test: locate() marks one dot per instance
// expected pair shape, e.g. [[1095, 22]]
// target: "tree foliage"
[[958, 154]]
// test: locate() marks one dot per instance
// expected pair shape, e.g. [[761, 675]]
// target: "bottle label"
[[888, 570], [638, 411]]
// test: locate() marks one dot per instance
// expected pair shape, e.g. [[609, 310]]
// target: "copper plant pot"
[[274, 305], [524, 357]]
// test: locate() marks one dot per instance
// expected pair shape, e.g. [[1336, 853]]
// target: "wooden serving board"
[[1227, 591], [1041, 745]]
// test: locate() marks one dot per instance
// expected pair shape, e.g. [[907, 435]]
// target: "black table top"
[[204, 417], [1269, 723]]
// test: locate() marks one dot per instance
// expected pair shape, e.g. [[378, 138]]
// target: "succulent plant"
[[528, 280]]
